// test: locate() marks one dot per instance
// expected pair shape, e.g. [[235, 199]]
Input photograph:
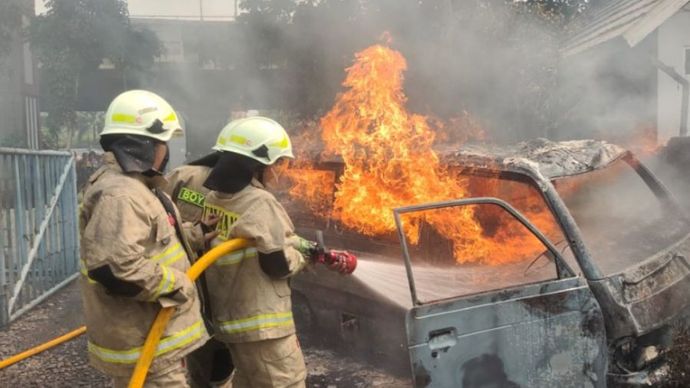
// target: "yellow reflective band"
[[170, 285], [170, 255], [258, 322], [82, 269], [241, 140], [123, 118], [167, 344], [173, 259], [166, 252], [283, 144], [166, 284], [237, 257], [170, 117]]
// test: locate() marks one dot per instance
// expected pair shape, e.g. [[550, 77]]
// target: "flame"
[[644, 141], [389, 162]]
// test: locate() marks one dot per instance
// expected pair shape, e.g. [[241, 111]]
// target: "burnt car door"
[[525, 329]]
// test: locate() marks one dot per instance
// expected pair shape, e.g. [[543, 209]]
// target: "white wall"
[[174, 9], [183, 9], [674, 38]]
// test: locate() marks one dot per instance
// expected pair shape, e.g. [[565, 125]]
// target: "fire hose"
[[45, 346], [341, 261], [158, 327]]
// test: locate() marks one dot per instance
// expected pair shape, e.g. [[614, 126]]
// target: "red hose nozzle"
[[341, 261]]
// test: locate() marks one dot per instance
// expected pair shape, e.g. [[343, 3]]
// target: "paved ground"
[[67, 366]]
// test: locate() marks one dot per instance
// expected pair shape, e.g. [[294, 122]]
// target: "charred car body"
[[606, 301]]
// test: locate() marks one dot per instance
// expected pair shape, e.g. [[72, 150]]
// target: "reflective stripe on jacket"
[[258, 322], [167, 344]]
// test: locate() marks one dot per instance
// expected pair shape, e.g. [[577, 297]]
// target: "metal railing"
[[39, 239]]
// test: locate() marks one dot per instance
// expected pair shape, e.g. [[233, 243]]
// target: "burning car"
[[541, 264], [587, 281]]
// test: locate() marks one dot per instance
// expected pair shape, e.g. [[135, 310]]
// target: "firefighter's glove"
[[307, 248]]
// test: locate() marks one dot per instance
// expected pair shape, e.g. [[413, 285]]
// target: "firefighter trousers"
[[175, 377], [274, 363]]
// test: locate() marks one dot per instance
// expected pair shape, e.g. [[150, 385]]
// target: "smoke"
[[492, 60], [608, 92], [495, 61]]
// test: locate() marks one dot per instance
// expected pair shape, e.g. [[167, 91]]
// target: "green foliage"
[[556, 13], [85, 133], [73, 38], [11, 140]]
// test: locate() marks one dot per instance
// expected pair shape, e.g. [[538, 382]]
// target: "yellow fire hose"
[[157, 328], [38, 349]]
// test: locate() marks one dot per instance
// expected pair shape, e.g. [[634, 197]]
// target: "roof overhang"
[[631, 19]]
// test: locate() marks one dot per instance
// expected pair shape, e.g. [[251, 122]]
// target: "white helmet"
[[140, 112], [259, 138]]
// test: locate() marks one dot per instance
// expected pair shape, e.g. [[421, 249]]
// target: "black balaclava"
[[134, 153], [209, 160], [232, 172]]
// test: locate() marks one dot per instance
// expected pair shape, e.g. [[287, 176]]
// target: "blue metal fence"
[[39, 240]]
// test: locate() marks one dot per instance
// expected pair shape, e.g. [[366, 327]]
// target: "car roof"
[[541, 157]]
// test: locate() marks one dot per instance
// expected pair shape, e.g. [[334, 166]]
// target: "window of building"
[[687, 61]]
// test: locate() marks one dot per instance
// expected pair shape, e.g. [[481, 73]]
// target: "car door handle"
[[441, 340]]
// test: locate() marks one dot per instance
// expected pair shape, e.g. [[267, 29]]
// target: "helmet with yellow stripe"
[[140, 112], [258, 138]]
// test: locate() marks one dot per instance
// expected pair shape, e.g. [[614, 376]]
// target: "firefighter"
[[211, 364], [133, 251], [248, 291]]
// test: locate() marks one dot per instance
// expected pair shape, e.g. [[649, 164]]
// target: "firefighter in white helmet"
[[133, 251], [248, 291]]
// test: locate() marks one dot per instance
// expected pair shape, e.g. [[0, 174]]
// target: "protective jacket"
[[133, 261], [247, 304]]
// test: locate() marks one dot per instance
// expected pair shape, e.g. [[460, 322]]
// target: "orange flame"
[[644, 143], [389, 162]]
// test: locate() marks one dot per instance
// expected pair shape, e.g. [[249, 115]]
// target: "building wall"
[[184, 9], [19, 109], [674, 51]]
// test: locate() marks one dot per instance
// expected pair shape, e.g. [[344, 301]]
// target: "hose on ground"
[[157, 328], [45, 346]]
